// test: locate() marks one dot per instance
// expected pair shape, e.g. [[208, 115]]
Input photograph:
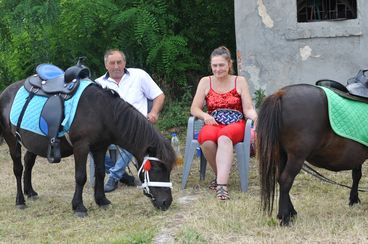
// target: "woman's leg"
[[224, 159], [228, 137], [207, 138], [209, 149]]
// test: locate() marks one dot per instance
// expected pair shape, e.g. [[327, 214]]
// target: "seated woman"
[[228, 101]]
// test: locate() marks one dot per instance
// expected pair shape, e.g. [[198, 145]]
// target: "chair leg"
[[243, 155], [202, 167], [243, 166], [188, 159]]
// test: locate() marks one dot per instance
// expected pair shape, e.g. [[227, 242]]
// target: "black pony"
[[101, 119], [293, 127]]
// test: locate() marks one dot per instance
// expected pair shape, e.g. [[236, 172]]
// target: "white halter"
[[147, 183]]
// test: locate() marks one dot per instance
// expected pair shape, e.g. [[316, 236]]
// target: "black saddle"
[[52, 82], [35, 84], [345, 91], [358, 85]]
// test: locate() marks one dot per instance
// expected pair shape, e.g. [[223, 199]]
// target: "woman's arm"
[[198, 102], [248, 108]]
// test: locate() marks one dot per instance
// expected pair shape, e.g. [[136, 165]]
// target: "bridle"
[[145, 168]]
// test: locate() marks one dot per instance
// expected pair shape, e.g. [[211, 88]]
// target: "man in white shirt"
[[136, 87]]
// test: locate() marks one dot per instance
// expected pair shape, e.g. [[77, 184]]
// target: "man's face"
[[115, 65]]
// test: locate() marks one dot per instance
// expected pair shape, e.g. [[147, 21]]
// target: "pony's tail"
[[268, 148]]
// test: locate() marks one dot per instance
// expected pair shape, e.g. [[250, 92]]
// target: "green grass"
[[196, 216]]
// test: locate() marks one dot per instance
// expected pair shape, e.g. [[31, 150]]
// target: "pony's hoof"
[[21, 206], [80, 214], [103, 202], [354, 201], [287, 221]]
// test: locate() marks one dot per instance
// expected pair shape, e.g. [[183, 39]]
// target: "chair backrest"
[[197, 126]]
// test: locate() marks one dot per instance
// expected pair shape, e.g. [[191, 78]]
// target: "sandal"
[[213, 185], [221, 192]]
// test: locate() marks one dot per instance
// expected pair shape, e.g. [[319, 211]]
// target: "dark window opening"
[[322, 10]]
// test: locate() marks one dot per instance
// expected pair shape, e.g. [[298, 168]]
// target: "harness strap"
[[21, 115], [308, 169], [157, 184], [147, 183]]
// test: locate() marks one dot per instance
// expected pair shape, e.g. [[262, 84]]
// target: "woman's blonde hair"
[[224, 52]]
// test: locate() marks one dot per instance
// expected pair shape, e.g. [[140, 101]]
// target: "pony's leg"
[[16, 155], [356, 174], [100, 197], [29, 161], [286, 180], [283, 161], [80, 158]]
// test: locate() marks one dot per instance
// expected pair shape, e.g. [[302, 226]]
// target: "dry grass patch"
[[196, 216]]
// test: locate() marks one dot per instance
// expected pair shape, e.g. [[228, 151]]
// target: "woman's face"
[[220, 66]]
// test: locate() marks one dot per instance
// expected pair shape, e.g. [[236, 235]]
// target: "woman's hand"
[[209, 120]]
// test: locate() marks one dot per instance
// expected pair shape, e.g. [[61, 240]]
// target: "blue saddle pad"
[[48, 71], [32, 114]]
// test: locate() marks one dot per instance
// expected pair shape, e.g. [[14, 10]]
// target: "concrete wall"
[[273, 50]]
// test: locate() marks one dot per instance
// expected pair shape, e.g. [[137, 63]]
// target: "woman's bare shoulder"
[[204, 81], [242, 82], [241, 78]]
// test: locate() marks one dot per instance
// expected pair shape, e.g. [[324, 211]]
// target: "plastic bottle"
[[176, 145]]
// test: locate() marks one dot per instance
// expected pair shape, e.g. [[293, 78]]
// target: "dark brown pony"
[[293, 127], [101, 119]]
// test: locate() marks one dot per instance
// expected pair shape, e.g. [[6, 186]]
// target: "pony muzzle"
[[147, 183]]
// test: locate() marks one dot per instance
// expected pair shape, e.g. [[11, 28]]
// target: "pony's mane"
[[133, 126]]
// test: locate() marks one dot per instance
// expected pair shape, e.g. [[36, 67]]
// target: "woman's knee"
[[224, 139], [208, 144]]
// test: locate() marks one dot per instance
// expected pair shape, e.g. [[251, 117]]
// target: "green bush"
[[175, 114], [259, 96]]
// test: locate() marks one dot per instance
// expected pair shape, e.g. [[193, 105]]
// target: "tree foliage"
[[171, 39]]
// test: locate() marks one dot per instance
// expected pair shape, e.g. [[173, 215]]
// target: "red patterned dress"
[[228, 100]]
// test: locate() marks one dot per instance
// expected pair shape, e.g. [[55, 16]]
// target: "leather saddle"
[[358, 85], [353, 91], [51, 80], [58, 86]]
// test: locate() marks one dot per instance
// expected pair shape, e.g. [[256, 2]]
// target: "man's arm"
[[157, 105]]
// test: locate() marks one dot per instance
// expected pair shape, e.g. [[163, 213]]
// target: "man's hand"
[[152, 117]]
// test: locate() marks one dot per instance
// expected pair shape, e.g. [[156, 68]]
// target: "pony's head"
[[154, 153], [155, 178], [154, 173]]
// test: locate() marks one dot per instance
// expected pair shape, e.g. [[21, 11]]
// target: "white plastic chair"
[[242, 150]]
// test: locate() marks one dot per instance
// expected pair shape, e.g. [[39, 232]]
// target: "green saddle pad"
[[348, 118]]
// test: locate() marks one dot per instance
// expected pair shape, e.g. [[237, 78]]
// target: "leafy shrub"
[[259, 96], [175, 114]]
